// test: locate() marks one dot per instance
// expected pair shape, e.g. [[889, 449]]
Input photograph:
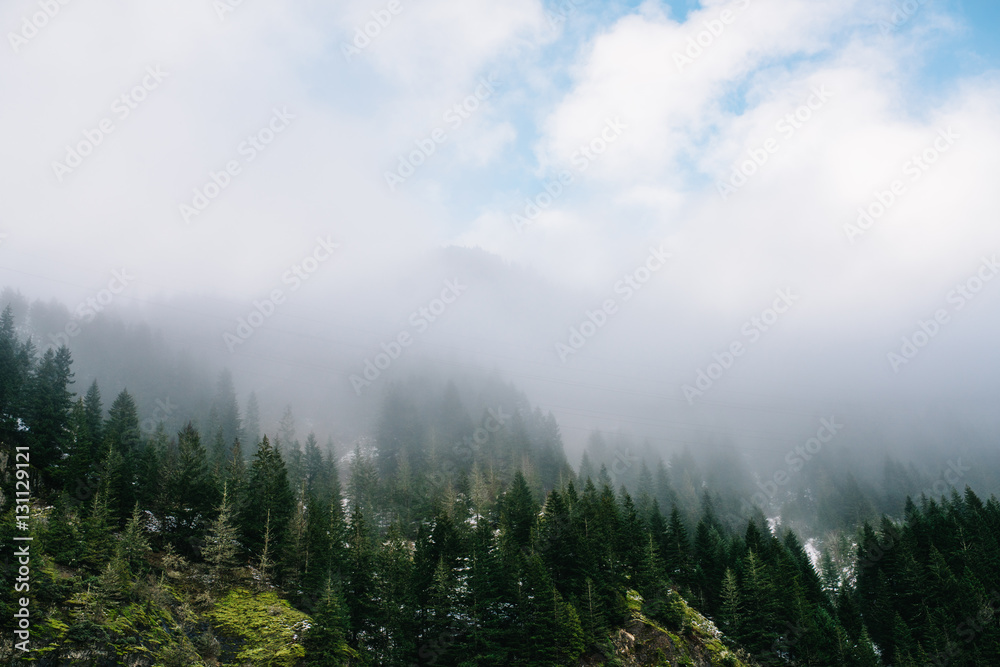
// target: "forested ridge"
[[457, 534]]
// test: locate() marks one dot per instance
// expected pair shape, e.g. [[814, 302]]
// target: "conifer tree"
[[16, 361], [48, 414], [192, 492], [97, 533], [518, 513], [227, 410], [122, 439], [221, 546], [251, 423], [359, 577], [266, 493], [133, 547], [326, 641]]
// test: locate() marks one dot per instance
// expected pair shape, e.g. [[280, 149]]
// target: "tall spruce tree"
[[266, 492]]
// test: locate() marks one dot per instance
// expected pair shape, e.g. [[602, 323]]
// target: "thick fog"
[[721, 227]]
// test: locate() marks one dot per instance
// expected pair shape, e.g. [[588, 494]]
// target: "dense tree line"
[[465, 538]]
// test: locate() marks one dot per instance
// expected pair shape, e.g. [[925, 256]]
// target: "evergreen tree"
[[362, 488], [359, 578], [314, 469], [17, 359], [326, 640], [518, 513], [266, 493], [48, 415], [251, 423], [227, 409], [677, 549], [731, 607], [192, 493], [286, 430], [221, 546], [122, 440], [97, 535], [133, 548]]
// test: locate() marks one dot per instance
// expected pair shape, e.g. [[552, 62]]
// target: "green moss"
[[269, 630]]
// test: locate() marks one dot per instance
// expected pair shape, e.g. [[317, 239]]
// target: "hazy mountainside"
[[171, 356], [456, 533]]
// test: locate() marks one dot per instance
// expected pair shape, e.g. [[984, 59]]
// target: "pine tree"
[[192, 492], [286, 431], [133, 547], [709, 565], [518, 513], [631, 536], [362, 488], [235, 473], [64, 536], [314, 469], [17, 359], [266, 493], [317, 563], [48, 415], [122, 439], [251, 423], [221, 546], [97, 533], [227, 409], [559, 545], [295, 559], [731, 607], [758, 615], [359, 577], [394, 603], [586, 468], [326, 640]]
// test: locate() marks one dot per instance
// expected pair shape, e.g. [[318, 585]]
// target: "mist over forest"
[[542, 332]]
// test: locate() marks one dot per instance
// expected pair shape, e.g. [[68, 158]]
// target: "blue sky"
[[687, 127], [951, 41]]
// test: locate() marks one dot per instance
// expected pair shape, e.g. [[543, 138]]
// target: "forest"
[[456, 534]]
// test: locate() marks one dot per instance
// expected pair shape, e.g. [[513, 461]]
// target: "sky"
[[834, 158]]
